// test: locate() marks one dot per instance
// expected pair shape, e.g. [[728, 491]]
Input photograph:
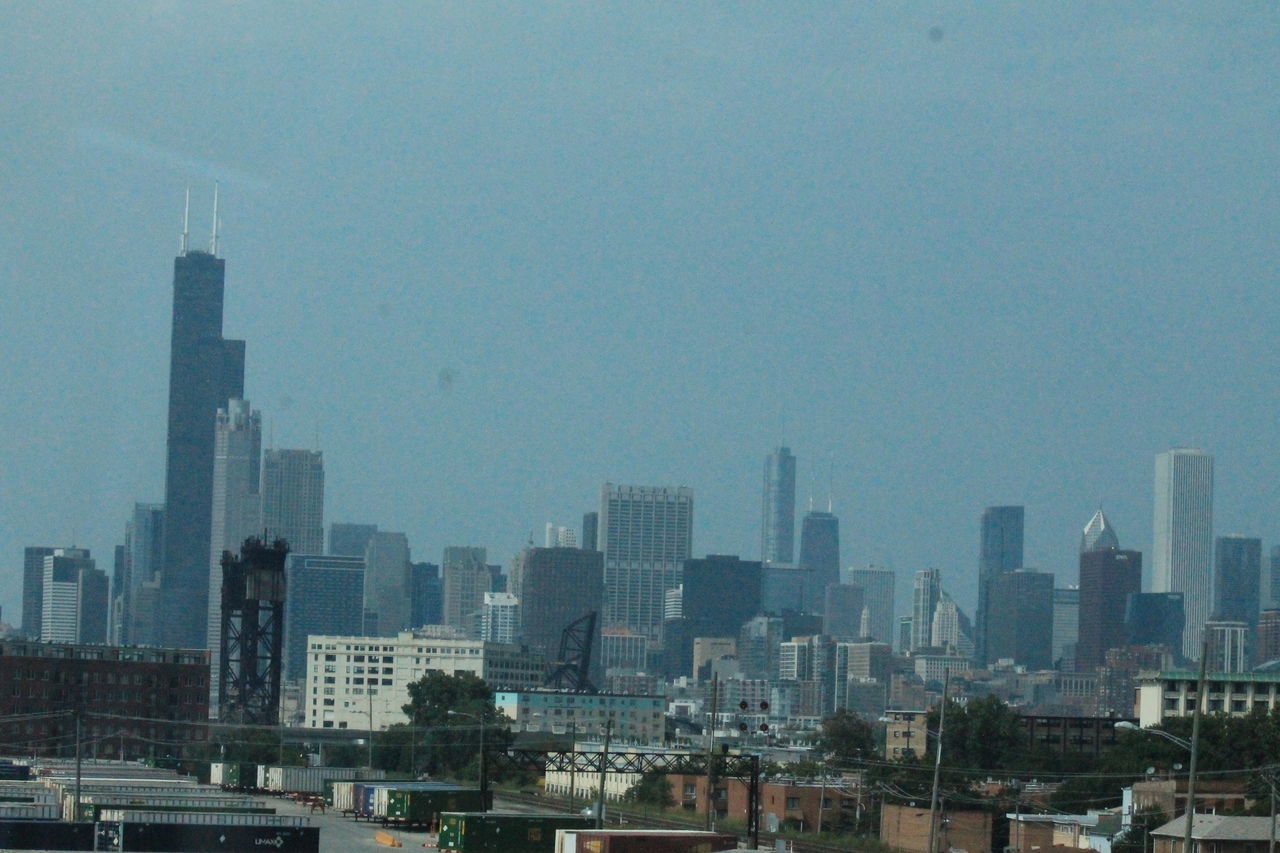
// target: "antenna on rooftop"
[[831, 479], [186, 218], [213, 242]]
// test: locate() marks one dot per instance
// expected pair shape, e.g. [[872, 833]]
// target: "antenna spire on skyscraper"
[[213, 242], [186, 218]]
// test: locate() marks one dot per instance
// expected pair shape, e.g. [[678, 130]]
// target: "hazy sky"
[[489, 256]]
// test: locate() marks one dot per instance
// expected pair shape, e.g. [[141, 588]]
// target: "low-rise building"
[[363, 682], [1214, 832], [903, 731], [1173, 694], [636, 719]]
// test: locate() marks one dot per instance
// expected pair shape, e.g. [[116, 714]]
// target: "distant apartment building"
[[636, 719], [1172, 694], [363, 682], [500, 617]]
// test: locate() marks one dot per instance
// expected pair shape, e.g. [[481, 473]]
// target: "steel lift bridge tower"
[[253, 595]]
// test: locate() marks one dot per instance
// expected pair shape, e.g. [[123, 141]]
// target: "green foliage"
[[1135, 839], [846, 736], [653, 789], [449, 744]]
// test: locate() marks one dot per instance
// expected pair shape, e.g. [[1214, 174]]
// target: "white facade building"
[[363, 682], [500, 618], [1182, 559], [636, 719]]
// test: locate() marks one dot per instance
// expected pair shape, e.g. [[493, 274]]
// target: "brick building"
[[139, 701]]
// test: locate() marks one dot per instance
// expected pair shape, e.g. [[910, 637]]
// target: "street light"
[[484, 776], [1126, 726]]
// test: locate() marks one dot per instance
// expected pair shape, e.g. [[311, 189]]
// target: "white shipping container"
[[29, 811], [262, 777], [217, 772], [204, 818], [380, 795], [342, 795]]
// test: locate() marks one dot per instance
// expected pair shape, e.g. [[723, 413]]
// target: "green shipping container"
[[424, 805], [494, 832]]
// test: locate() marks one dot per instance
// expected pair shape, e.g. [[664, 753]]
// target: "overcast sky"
[[489, 256]]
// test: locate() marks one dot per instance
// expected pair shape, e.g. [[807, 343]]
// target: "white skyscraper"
[[646, 534], [927, 591], [1183, 537]]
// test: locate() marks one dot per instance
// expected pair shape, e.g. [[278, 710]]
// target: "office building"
[[1267, 638], [1155, 619], [647, 534], [999, 552], [33, 588], [1108, 576], [1098, 534], [926, 592], [778, 526], [1182, 547], [636, 719], [426, 595], [556, 586], [118, 596], [500, 617], [720, 594], [785, 588], [74, 598], [877, 594], [293, 498], [386, 584], [325, 596], [1020, 608], [1237, 593], [144, 552], [820, 554], [590, 531], [205, 371], [1228, 645], [236, 508], [464, 579], [842, 615], [1066, 627], [347, 539], [362, 683], [1273, 578], [951, 630], [758, 643]]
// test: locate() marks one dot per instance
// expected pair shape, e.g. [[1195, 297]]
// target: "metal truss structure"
[[253, 595]]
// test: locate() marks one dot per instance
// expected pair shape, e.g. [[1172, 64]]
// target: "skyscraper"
[[999, 552], [1182, 559], [877, 593], [386, 584], [73, 606], [1066, 627], [1108, 576], [464, 579], [646, 534], [1155, 618], [842, 614], [927, 591], [349, 540], [1098, 534], [293, 499], [556, 586], [1237, 579], [1273, 584], [426, 598], [205, 371], [325, 595], [720, 594], [778, 527], [237, 510], [1020, 617], [33, 588], [144, 547], [820, 554]]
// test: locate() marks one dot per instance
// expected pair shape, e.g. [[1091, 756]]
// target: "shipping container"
[[45, 835], [233, 774], [643, 841], [202, 818], [134, 798], [93, 811], [425, 806], [310, 780], [30, 811], [128, 836], [494, 832]]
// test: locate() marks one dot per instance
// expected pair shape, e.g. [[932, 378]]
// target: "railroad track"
[[639, 818]]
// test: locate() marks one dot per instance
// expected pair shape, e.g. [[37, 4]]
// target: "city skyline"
[[497, 296]]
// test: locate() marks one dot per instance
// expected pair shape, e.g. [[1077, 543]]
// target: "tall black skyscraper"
[[778, 515], [999, 552], [820, 554], [1237, 579], [205, 371]]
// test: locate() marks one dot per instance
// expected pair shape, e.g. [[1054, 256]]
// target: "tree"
[[450, 743], [846, 736], [653, 789]]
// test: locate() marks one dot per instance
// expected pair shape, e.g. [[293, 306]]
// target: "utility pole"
[[604, 768], [370, 746], [1195, 747], [573, 764], [711, 748], [937, 762], [76, 815]]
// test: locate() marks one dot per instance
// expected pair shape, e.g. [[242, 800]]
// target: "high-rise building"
[[1182, 558], [720, 594], [1020, 607], [778, 527], [1228, 645], [1066, 627], [205, 371], [325, 596], [924, 600], [1107, 578], [426, 597], [33, 588], [116, 603], [464, 579], [646, 534], [1098, 534], [500, 617], [999, 552], [144, 547], [1237, 595], [293, 499], [1155, 619], [73, 606], [349, 540], [820, 553], [386, 584], [556, 586], [559, 536], [1273, 578], [951, 630], [877, 594], [590, 531], [842, 615], [237, 510], [1267, 637]]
